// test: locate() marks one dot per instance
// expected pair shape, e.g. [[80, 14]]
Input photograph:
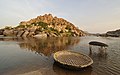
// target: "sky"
[[94, 16]]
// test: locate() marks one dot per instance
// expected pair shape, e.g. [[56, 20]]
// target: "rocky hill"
[[43, 26]]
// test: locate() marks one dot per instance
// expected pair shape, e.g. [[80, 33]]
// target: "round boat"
[[72, 60], [96, 43]]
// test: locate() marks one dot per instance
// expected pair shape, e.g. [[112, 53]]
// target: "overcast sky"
[[89, 15]]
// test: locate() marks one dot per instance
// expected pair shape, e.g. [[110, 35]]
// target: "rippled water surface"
[[28, 56]]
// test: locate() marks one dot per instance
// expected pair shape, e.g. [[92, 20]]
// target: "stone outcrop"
[[40, 35], [8, 32], [47, 25], [25, 34], [20, 33]]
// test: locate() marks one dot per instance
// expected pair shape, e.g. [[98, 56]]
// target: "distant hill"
[[44, 26], [115, 33]]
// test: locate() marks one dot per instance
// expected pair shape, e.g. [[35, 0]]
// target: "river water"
[[28, 56]]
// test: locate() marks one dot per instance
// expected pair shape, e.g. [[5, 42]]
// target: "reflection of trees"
[[49, 45]]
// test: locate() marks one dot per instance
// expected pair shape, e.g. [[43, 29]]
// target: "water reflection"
[[101, 52], [46, 46], [61, 71], [17, 56]]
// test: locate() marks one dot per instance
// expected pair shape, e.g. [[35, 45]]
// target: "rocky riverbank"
[[43, 26]]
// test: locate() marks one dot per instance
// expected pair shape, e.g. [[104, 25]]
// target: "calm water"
[[29, 56]]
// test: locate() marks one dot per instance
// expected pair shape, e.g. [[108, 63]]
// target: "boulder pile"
[[43, 26]]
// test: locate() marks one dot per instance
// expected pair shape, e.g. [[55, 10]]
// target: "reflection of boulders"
[[16, 39], [8, 39], [49, 45], [61, 71]]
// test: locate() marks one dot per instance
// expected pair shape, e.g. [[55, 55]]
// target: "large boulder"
[[1, 31], [15, 32], [31, 34], [20, 33], [40, 35], [25, 34], [8, 32]]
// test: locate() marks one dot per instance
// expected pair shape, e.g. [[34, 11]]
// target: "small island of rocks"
[[43, 26]]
